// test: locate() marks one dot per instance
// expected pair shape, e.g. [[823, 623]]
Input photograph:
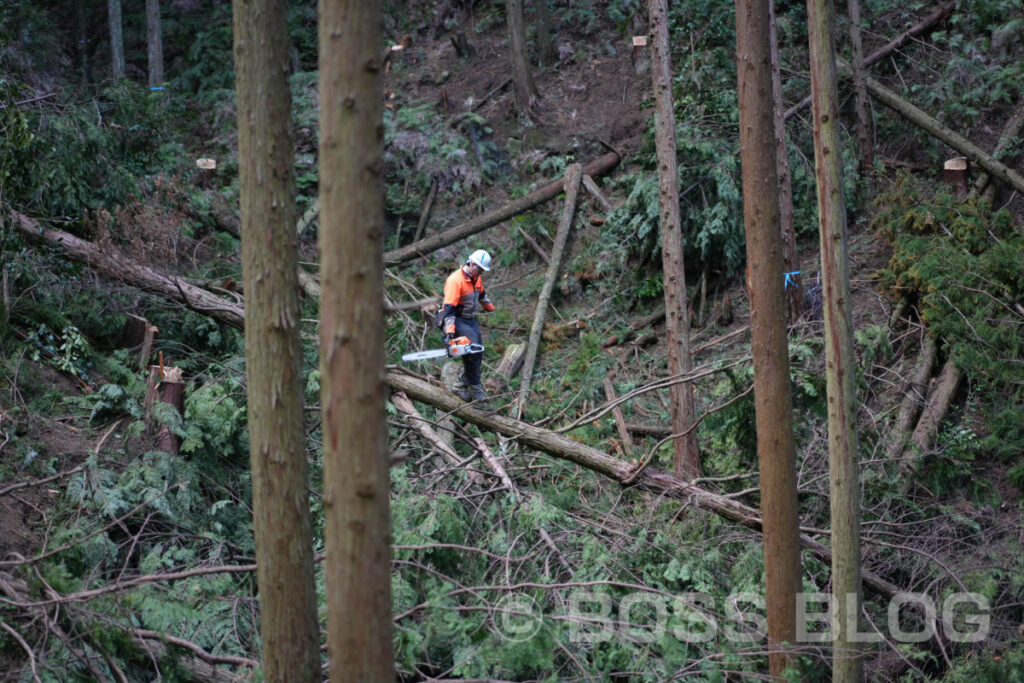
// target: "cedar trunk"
[[847, 664], [353, 393], [273, 356], [116, 38], [859, 88], [686, 457], [154, 44], [787, 220], [526, 91], [773, 403]]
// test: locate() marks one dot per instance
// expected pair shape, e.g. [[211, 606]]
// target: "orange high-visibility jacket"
[[463, 298]]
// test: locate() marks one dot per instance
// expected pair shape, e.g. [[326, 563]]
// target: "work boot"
[[476, 393], [463, 392]]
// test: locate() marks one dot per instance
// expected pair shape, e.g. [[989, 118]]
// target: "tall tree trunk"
[[116, 38], [353, 392], [273, 355], [859, 88], [772, 400], [847, 664], [545, 46], [526, 91], [686, 456], [154, 44], [787, 220]]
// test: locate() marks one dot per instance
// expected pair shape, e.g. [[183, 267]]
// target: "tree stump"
[[165, 385], [954, 172]]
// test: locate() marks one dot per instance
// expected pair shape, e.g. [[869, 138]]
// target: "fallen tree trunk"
[[896, 43], [621, 471], [118, 267], [939, 400], [434, 242], [1009, 134], [572, 188], [958, 142], [913, 395]]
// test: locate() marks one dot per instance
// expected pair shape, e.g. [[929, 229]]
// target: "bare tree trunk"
[[913, 395], [273, 354], [545, 46], [116, 38], [859, 89], [353, 393], [776, 454], [526, 91], [953, 139], [847, 662], [927, 427], [572, 187], [686, 455], [434, 242], [787, 220], [622, 471], [154, 44]]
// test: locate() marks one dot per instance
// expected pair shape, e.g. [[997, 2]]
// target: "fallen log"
[[913, 395], [118, 267], [434, 242], [939, 400], [564, 448], [896, 43], [1009, 134], [958, 142]]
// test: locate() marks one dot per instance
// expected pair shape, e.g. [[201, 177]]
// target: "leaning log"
[[118, 267], [564, 448], [572, 188], [1010, 132], [913, 395], [958, 142], [434, 242], [896, 43], [939, 401]]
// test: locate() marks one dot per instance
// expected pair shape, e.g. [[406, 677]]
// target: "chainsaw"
[[456, 348]]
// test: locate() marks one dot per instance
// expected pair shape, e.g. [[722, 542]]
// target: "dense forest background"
[[126, 534]]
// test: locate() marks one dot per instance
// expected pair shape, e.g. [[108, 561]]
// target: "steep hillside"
[[569, 552]]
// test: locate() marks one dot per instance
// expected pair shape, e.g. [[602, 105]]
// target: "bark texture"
[[847, 664], [116, 38], [353, 393], [154, 44], [686, 456], [769, 344], [526, 90], [787, 219], [273, 354]]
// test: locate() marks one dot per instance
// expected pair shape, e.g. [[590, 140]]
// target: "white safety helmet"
[[480, 258]]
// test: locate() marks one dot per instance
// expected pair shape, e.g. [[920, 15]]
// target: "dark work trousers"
[[468, 327]]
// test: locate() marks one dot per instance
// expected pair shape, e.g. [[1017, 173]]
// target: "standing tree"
[[116, 38], [844, 491], [273, 356], [773, 403], [526, 90], [686, 455], [791, 257], [353, 390], [860, 87], [154, 44]]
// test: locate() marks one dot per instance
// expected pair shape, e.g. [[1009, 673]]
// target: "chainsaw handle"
[[457, 350]]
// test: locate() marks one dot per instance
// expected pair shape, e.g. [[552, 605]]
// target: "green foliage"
[[959, 263], [420, 147], [215, 422]]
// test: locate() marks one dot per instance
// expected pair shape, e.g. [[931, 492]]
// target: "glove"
[[448, 338]]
